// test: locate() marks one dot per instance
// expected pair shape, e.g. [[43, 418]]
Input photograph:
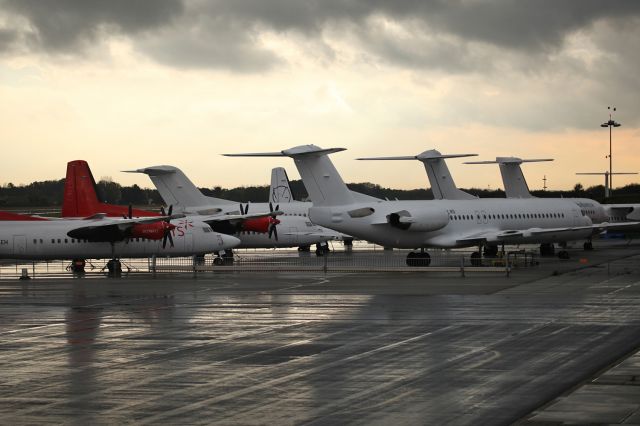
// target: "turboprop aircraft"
[[293, 228], [101, 237], [437, 223]]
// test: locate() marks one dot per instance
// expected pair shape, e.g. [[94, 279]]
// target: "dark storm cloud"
[[223, 33], [67, 25]]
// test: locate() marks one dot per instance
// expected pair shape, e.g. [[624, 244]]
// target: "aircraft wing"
[[507, 236], [110, 229]]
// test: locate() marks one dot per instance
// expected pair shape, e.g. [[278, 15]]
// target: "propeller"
[[244, 210], [124, 216], [168, 227], [273, 230]]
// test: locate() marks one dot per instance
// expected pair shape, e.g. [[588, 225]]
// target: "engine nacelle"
[[424, 220]]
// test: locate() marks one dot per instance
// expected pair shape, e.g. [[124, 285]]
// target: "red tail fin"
[[81, 195]]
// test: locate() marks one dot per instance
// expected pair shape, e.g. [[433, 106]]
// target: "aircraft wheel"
[[547, 249], [77, 266], [114, 267], [563, 254], [490, 251], [476, 258], [588, 246], [218, 261], [423, 259]]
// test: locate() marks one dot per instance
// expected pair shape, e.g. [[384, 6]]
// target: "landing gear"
[[421, 258], [588, 246], [563, 254], [304, 249], [224, 257], [322, 249], [547, 249], [77, 266], [348, 245], [490, 251], [476, 258], [114, 267]]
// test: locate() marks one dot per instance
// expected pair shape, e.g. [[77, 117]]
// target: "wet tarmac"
[[300, 348]]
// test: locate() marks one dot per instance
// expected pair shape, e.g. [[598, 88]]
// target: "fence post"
[[324, 262], [153, 264]]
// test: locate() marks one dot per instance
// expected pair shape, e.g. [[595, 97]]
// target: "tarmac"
[[551, 344]]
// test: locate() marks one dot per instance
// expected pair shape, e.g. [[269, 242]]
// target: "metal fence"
[[360, 260]]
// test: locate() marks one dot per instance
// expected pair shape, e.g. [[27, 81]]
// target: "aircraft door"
[[188, 242], [485, 219], [478, 217], [294, 235], [19, 244]]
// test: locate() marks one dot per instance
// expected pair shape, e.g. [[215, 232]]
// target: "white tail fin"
[[280, 190], [323, 182], [442, 184], [515, 184], [176, 189]]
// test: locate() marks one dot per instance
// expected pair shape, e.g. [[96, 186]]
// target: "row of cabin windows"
[[294, 214], [73, 240], [507, 216], [586, 212]]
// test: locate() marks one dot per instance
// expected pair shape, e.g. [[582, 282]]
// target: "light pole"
[[610, 124]]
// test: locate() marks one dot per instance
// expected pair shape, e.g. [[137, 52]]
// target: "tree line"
[[49, 193]]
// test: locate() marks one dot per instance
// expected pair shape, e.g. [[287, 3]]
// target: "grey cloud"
[[67, 25]]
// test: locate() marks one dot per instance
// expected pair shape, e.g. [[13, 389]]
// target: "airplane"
[[439, 223], [297, 230], [100, 237], [515, 186]]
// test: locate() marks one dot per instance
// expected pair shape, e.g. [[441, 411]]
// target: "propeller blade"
[[170, 238], [130, 212], [275, 232], [270, 207], [246, 209], [170, 211], [164, 241], [162, 210]]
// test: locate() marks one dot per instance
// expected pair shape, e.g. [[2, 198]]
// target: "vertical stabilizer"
[[80, 191], [440, 179], [515, 184], [176, 189], [280, 190], [323, 182]]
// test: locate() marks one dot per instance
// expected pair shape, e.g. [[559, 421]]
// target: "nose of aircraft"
[[229, 241]]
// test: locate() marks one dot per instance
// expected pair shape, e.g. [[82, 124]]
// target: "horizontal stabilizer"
[[154, 171], [293, 152], [510, 160], [431, 154]]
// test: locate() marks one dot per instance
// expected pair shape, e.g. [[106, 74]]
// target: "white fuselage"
[[49, 240], [462, 219], [295, 228]]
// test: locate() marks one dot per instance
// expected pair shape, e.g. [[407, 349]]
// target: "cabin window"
[[35, 241], [59, 241], [41, 241]]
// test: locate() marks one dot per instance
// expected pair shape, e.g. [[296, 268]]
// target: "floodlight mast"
[[610, 124]]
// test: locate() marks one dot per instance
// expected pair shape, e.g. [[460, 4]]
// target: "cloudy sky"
[[131, 83]]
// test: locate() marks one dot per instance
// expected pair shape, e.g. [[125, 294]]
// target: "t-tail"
[[280, 190], [321, 179], [440, 179], [177, 190], [515, 184], [81, 195]]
